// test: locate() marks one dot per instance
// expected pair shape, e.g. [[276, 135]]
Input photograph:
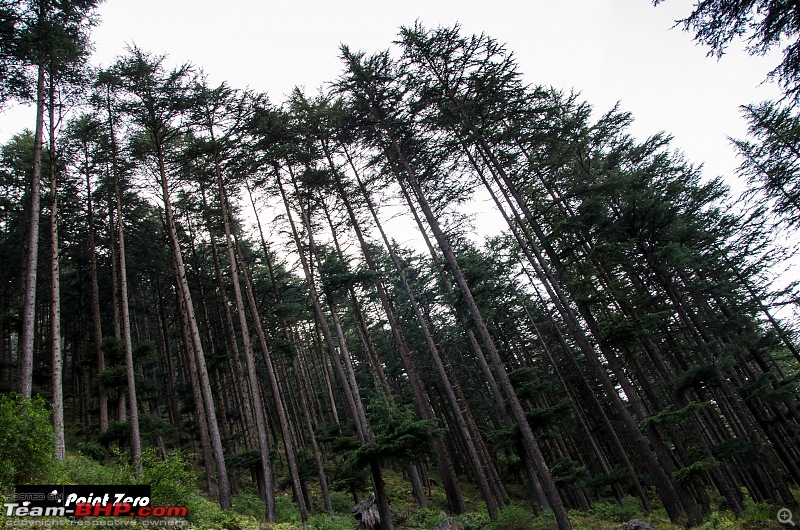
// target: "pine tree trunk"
[[620, 450], [529, 441], [280, 406], [194, 335], [197, 395], [97, 331], [356, 407], [25, 349], [304, 396], [658, 468], [57, 361], [255, 389], [455, 500], [455, 406], [136, 442], [168, 369], [236, 362]]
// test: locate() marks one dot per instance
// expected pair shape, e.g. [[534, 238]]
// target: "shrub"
[[286, 509], [620, 513], [26, 440], [473, 520], [718, 521], [341, 502], [171, 479], [202, 511], [326, 522], [85, 470], [758, 511], [250, 504], [513, 518], [424, 518]]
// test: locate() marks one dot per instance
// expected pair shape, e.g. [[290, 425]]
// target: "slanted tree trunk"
[[305, 394], [197, 395], [620, 450], [355, 406], [247, 411], [362, 330], [167, 363], [255, 389], [280, 406], [57, 361], [97, 331], [658, 467], [528, 439], [136, 441], [194, 335], [32, 246], [455, 406]]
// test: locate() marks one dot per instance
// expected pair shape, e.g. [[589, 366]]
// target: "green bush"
[[424, 518], [718, 521], [341, 502], [82, 469], [250, 504], [326, 522], [202, 511], [473, 520], [758, 511], [26, 440], [171, 480], [513, 518], [286, 509], [621, 513]]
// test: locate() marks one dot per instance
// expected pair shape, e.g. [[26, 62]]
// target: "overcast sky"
[[608, 50]]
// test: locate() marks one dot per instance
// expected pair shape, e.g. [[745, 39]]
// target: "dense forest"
[[196, 272]]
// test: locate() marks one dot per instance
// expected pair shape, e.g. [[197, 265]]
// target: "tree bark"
[[194, 335], [32, 246], [57, 360], [444, 463]]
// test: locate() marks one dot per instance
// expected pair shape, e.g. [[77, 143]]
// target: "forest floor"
[[172, 485], [516, 516]]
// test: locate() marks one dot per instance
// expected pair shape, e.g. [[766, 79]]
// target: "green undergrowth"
[[174, 482], [516, 516]]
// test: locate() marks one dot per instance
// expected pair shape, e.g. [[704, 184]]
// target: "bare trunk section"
[[657, 466], [136, 442], [197, 395], [280, 406], [194, 335], [356, 407], [305, 394], [455, 406], [32, 248], [255, 389], [621, 453], [236, 362], [57, 360], [97, 331], [528, 439]]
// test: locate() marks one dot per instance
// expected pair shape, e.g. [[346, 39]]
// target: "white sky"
[[609, 50]]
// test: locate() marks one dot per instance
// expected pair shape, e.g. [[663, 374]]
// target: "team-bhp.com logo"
[[87, 501]]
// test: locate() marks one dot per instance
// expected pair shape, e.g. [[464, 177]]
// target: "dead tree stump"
[[367, 513]]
